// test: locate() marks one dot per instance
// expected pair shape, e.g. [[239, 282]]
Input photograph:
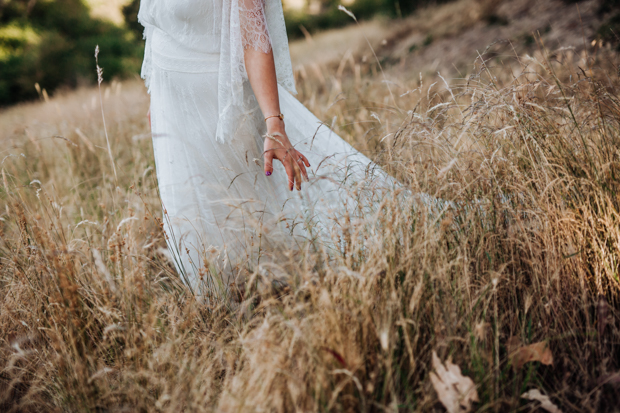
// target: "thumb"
[[268, 163]]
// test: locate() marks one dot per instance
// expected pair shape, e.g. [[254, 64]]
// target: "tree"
[[52, 43]]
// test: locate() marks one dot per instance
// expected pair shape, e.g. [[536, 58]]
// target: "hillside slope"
[[448, 38]]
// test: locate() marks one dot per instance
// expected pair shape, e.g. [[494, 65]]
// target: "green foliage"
[[610, 29], [53, 42], [607, 6], [130, 13], [495, 20], [331, 17]]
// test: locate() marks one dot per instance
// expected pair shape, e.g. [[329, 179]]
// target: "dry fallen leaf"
[[455, 391], [519, 355], [545, 402]]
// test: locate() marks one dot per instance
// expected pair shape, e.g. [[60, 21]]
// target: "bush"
[[52, 43]]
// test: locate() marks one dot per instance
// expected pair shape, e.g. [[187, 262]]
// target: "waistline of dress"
[[200, 63], [173, 53]]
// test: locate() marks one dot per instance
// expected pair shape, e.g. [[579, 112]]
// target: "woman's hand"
[[277, 146], [261, 72]]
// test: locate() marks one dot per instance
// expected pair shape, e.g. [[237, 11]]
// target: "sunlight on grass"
[[525, 252]]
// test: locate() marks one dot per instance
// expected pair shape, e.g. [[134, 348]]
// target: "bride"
[[242, 166]]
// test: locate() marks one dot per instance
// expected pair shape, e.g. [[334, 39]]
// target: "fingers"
[[299, 165], [290, 172], [306, 162], [294, 173], [294, 163], [268, 163], [298, 175], [302, 162]]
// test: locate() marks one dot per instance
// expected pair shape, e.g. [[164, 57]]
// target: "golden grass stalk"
[[525, 250]]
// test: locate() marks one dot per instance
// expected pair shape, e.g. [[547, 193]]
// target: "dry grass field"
[[514, 284]]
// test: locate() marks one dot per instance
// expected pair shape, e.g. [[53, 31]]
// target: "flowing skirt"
[[221, 212]]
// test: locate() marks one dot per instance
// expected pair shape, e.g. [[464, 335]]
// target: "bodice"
[[200, 36], [183, 28]]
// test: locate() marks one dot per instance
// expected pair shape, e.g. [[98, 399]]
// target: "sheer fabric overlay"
[[254, 31], [220, 210], [249, 23]]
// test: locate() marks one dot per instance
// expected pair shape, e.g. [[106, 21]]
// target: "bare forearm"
[[261, 71]]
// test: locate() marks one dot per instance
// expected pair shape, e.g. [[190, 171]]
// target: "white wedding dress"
[[221, 212]]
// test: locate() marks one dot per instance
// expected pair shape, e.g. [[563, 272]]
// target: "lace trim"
[[145, 73], [143, 19], [254, 30]]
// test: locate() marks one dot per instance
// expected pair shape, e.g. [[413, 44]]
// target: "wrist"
[[275, 125]]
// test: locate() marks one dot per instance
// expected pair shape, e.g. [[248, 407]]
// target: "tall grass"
[[94, 317]]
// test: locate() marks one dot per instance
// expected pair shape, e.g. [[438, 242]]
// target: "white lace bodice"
[[193, 25], [186, 34]]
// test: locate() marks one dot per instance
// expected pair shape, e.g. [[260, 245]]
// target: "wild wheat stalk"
[[105, 129], [519, 255]]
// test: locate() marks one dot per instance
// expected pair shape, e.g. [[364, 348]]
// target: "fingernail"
[[268, 173]]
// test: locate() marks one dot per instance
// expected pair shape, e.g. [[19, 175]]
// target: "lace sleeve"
[[145, 19], [257, 24], [254, 30]]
